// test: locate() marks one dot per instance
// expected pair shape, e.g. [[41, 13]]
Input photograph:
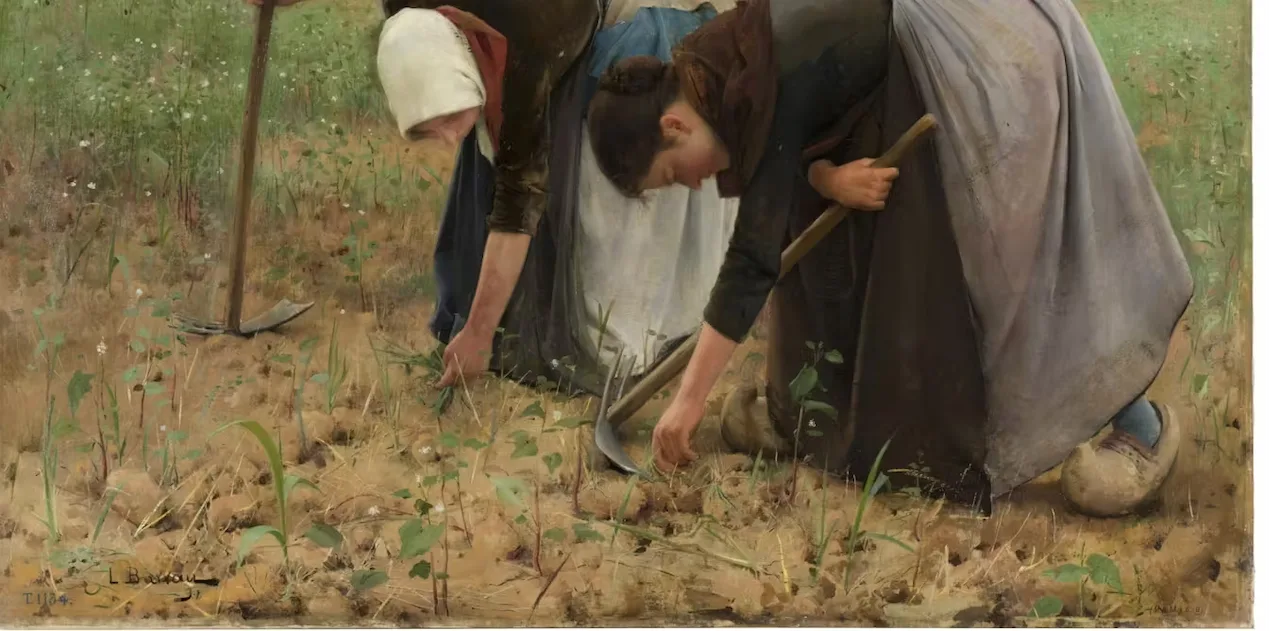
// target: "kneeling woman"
[[974, 318]]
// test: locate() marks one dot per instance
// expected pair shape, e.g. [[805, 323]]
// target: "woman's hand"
[[673, 435], [857, 185], [466, 356]]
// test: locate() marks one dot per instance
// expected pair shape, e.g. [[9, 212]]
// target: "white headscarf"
[[427, 70]]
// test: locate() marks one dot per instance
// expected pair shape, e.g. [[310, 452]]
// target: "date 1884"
[[43, 599]]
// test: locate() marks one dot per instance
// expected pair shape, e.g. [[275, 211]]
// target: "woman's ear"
[[673, 127]]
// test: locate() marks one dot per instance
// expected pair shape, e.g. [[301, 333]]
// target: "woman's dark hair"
[[622, 121]]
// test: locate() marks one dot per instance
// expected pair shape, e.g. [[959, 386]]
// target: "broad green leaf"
[[804, 383], [131, 374], [273, 453], [291, 481], [1047, 607], [834, 357], [584, 532], [554, 534], [152, 388], [510, 490], [819, 406], [534, 409], [422, 506], [1200, 385], [450, 440], [324, 535], [474, 444], [573, 423], [251, 537], [137, 346], [309, 344], [1068, 573], [417, 539], [521, 519], [1103, 571], [421, 569], [178, 435], [364, 580], [79, 385], [193, 454], [320, 378], [553, 462], [525, 450], [403, 494]]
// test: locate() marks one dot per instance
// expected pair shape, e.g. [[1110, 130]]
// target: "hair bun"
[[634, 75]]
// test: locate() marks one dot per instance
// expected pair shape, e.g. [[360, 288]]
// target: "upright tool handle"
[[821, 227], [248, 158]]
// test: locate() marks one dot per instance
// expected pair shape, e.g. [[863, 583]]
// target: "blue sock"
[[1139, 420]]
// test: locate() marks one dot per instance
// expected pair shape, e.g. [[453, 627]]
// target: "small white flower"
[[360, 211], [102, 346], [811, 423], [148, 193], [186, 115], [207, 256], [204, 118], [417, 479], [151, 80], [283, 75], [557, 415], [84, 143], [342, 312], [59, 68], [425, 450], [73, 184], [164, 428], [114, 59], [204, 83], [153, 45], [138, 292], [86, 72], [334, 98], [439, 508], [373, 511], [92, 186], [64, 194], [137, 40], [346, 205]]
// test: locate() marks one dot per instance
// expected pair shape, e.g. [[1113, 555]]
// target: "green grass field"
[[119, 129]]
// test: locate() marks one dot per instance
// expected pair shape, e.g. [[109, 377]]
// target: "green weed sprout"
[[283, 484], [1097, 570]]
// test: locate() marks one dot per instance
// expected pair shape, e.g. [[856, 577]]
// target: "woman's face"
[[691, 152], [450, 128]]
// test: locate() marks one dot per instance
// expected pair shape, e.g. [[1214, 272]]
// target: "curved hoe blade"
[[284, 311], [606, 440]]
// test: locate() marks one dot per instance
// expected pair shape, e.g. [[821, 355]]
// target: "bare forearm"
[[710, 357], [504, 255]]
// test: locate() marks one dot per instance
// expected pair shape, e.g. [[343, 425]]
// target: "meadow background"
[[119, 131]]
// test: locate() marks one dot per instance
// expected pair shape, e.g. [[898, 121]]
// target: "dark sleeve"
[[543, 45], [519, 195], [754, 258]]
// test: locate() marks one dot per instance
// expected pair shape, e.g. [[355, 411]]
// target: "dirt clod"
[[139, 498], [232, 512]]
